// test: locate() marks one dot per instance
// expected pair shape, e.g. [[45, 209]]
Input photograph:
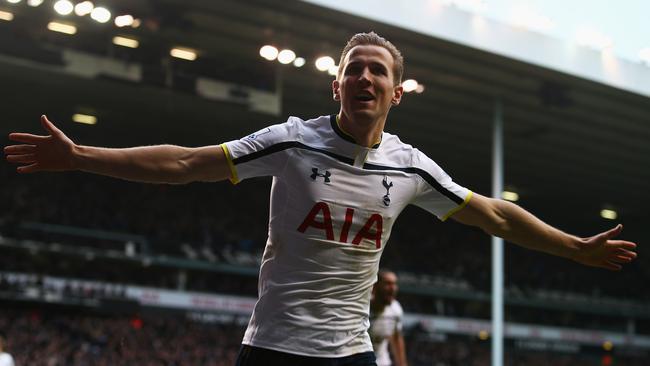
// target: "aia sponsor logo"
[[320, 218]]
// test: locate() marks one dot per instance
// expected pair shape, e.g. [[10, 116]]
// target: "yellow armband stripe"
[[233, 172], [459, 207]]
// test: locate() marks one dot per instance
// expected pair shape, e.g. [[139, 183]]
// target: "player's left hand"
[[602, 251]]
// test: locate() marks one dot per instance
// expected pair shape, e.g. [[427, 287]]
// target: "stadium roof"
[[577, 47]]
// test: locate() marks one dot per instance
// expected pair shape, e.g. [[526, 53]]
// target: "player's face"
[[366, 87], [387, 287]]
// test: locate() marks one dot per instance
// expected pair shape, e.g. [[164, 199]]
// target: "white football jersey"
[[6, 359], [333, 204], [382, 326]]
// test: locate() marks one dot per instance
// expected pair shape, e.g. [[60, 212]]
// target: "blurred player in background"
[[339, 183], [386, 321], [5, 358]]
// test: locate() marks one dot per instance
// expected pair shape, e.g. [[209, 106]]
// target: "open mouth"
[[364, 97]]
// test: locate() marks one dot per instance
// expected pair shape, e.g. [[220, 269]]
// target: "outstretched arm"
[[154, 164], [514, 224]]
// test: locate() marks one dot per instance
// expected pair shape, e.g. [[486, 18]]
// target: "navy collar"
[[344, 135]]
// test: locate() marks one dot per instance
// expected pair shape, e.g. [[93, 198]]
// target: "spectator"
[[5, 358]]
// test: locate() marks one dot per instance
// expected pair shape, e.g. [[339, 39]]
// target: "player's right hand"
[[54, 152]]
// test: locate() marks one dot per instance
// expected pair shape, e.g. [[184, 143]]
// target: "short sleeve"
[[437, 192], [263, 153]]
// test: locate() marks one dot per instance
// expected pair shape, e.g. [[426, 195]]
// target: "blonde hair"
[[373, 39]]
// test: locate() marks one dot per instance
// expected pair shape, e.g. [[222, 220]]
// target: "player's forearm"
[[518, 226], [399, 350], [153, 164]]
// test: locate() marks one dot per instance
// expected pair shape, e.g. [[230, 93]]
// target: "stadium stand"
[[55, 336], [178, 226]]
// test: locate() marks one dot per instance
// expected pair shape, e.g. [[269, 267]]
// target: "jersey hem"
[[311, 353], [459, 207], [233, 171]]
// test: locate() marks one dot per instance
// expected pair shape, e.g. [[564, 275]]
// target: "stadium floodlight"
[[34, 3], [84, 8], [5, 15], [269, 52], [63, 7], [333, 70], [409, 85], [483, 335], [124, 20], [299, 62], [84, 118], [608, 214], [608, 345], [324, 63], [102, 15], [183, 53], [510, 196], [13, 1], [644, 55], [62, 28], [125, 42], [286, 57]]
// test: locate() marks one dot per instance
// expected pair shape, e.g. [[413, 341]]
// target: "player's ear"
[[398, 91], [336, 90]]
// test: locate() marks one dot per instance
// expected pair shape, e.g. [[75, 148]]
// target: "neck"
[[365, 132]]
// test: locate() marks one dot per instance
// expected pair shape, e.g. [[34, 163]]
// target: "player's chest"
[[323, 179]]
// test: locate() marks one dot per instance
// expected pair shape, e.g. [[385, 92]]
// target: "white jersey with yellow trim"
[[383, 326], [333, 204]]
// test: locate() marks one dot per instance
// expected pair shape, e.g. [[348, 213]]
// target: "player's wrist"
[[572, 248], [78, 157]]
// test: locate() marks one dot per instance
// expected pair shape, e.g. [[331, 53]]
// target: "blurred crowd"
[[225, 224], [222, 224], [213, 216], [56, 337], [41, 338], [70, 289], [427, 350], [115, 274]]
